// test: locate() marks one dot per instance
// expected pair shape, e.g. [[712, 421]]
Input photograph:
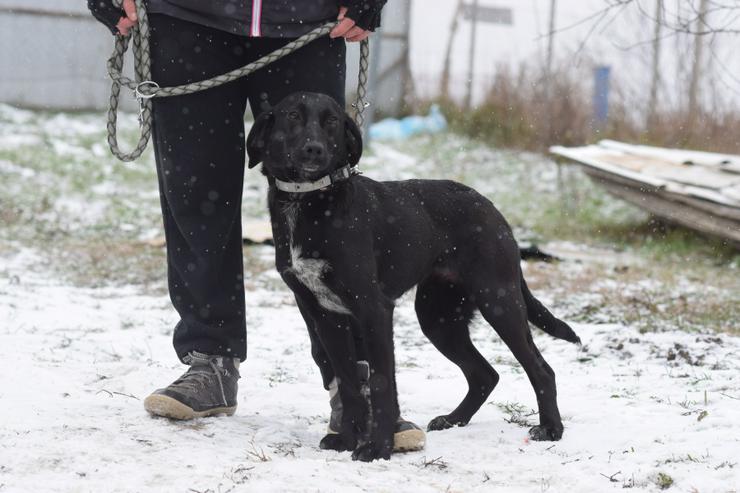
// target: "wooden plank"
[[670, 210], [732, 192], [705, 197], [725, 162], [730, 213], [592, 156], [698, 176], [577, 155]]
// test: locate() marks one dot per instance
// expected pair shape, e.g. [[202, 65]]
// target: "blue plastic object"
[[399, 129], [602, 74]]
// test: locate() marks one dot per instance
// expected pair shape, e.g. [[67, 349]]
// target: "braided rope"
[[361, 103], [145, 89]]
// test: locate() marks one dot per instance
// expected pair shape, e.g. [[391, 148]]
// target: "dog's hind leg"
[[444, 310], [504, 308]]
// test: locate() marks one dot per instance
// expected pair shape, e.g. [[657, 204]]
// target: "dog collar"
[[341, 174]]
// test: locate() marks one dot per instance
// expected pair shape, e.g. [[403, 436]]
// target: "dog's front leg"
[[377, 319], [335, 335], [332, 338]]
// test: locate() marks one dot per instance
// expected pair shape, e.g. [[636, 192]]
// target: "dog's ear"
[[353, 141], [259, 136]]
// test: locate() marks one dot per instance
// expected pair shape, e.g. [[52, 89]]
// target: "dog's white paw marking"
[[310, 271]]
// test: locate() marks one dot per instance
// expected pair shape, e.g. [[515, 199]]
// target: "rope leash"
[[145, 89]]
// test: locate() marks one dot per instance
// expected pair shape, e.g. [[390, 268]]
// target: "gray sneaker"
[[408, 437], [206, 389]]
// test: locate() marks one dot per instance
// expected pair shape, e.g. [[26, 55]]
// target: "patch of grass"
[[437, 463], [257, 454], [663, 481], [85, 212], [517, 413], [634, 289], [75, 205], [624, 394], [99, 261]]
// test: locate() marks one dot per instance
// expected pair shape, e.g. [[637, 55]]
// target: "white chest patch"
[[310, 271]]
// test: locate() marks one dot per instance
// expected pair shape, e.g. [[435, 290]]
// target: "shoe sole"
[[167, 407], [409, 441], [403, 441]]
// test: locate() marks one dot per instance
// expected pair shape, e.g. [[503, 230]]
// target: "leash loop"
[[144, 88], [146, 94]]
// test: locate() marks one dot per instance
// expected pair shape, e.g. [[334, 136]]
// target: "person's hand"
[[347, 28], [129, 21], [357, 19], [118, 20]]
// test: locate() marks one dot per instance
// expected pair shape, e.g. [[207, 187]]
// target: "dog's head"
[[304, 137]]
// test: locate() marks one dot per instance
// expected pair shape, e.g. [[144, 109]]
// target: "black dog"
[[349, 246]]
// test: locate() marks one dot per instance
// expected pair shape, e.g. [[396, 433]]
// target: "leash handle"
[[145, 89], [139, 37]]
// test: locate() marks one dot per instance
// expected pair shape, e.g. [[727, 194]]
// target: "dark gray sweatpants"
[[199, 148]]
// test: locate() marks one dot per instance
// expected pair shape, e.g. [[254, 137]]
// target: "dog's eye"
[[332, 120], [294, 115]]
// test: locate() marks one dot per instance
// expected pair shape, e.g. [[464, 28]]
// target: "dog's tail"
[[542, 318]]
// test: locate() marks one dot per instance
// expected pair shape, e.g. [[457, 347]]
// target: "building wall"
[[53, 56]]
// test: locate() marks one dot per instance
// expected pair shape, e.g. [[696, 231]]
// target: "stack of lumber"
[[698, 190]]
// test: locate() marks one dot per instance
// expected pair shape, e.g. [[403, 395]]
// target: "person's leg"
[[199, 150], [319, 66]]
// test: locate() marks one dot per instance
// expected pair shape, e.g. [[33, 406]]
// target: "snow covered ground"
[[77, 363], [651, 402]]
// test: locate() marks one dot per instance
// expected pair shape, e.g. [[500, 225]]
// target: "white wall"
[[57, 60], [620, 39]]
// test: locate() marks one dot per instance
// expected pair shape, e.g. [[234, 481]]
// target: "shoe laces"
[[202, 368]]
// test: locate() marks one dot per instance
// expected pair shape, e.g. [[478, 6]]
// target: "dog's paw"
[[335, 441], [443, 423], [542, 433], [370, 451]]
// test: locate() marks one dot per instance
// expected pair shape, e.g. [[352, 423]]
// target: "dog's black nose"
[[313, 150]]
